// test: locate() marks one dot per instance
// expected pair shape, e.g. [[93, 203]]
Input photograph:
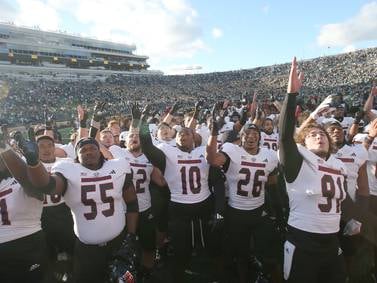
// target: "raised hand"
[[198, 105], [295, 78], [135, 112], [174, 108], [49, 120], [29, 148], [98, 113], [373, 91], [323, 108], [214, 127], [373, 129], [82, 114]]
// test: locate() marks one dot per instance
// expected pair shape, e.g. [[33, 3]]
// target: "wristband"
[[95, 124], [83, 124]]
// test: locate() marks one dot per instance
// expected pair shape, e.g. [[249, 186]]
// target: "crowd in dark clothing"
[[348, 74]]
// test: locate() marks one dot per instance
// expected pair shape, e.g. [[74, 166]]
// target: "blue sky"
[[189, 36]]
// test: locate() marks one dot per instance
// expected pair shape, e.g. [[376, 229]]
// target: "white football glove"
[[323, 108]]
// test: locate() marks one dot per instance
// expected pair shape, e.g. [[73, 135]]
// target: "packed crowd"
[[269, 191], [348, 74]]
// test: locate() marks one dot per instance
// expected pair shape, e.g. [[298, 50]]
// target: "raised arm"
[[171, 113], [290, 158], [372, 134], [82, 115], [154, 154], [368, 106], [214, 158], [37, 174]]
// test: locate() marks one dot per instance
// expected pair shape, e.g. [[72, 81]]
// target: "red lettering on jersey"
[[346, 160], [253, 164], [138, 165], [95, 179], [329, 170], [193, 161], [6, 192]]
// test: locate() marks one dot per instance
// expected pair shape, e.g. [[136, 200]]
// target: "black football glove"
[[98, 113], [135, 112], [214, 127], [49, 120], [174, 108], [29, 149]]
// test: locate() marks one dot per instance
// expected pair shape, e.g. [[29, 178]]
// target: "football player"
[[94, 189]]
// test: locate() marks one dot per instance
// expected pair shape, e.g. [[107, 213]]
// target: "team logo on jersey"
[[243, 157], [353, 154], [95, 174], [179, 156], [112, 172], [266, 160], [201, 156], [83, 174], [320, 161], [14, 182], [34, 267], [339, 154]]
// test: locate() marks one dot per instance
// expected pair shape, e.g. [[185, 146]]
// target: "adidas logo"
[[112, 172], [266, 160], [14, 183], [34, 267], [353, 154]]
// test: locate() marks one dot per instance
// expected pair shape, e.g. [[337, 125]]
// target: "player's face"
[[46, 150], [185, 138], [336, 134], [317, 142], [107, 139], [339, 112], [115, 129], [89, 155], [164, 133], [133, 142], [268, 126], [250, 140]]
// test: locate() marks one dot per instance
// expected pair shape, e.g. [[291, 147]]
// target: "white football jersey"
[[141, 169], [372, 168], [270, 141], [316, 194], [53, 200], [346, 124], [186, 174], [69, 150], [95, 198], [247, 175], [371, 163], [20, 214], [353, 157], [116, 151], [204, 132], [157, 142]]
